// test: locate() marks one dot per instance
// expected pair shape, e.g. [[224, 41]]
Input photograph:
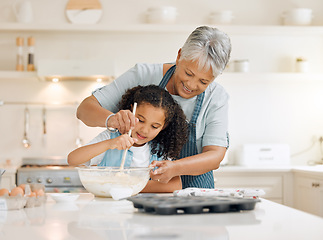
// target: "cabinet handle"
[[315, 185]]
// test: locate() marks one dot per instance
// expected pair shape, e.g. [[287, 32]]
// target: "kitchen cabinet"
[[8, 179], [276, 183], [309, 193]]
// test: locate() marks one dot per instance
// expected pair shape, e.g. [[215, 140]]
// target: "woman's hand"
[[165, 171], [122, 142], [124, 120]]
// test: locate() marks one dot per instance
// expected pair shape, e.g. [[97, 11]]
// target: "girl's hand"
[[165, 171], [124, 120], [122, 142]]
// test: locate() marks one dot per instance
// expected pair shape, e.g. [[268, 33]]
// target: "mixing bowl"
[[113, 181]]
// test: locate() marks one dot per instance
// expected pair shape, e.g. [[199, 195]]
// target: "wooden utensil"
[[125, 151]]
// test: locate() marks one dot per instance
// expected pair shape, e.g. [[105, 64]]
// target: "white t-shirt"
[[212, 122], [141, 155]]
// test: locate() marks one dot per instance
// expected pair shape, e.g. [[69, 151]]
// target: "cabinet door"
[[8, 180], [272, 185], [309, 195]]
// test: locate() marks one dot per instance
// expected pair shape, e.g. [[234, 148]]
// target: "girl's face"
[[151, 122], [189, 81]]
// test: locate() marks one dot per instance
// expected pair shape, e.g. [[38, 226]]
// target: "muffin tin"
[[168, 205]]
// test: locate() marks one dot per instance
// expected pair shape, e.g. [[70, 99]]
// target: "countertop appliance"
[[264, 155], [53, 172]]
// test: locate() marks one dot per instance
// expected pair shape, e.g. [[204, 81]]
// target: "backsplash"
[[267, 105]]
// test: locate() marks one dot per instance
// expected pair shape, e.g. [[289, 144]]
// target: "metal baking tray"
[[168, 205]]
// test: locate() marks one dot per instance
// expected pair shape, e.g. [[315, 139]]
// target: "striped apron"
[[205, 180]]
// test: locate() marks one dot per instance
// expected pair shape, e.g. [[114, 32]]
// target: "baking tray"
[[168, 205]]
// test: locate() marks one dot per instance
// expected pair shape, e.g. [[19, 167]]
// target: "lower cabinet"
[[309, 193], [278, 186]]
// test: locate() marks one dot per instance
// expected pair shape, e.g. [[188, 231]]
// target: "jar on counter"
[[301, 65], [241, 65]]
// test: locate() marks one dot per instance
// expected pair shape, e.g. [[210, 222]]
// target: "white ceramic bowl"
[[64, 197], [298, 17], [114, 182], [221, 17], [161, 15]]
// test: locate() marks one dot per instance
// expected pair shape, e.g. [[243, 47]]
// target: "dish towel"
[[225, 192]]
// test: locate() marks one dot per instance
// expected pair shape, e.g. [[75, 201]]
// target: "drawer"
[[309, 182], [272, 185]]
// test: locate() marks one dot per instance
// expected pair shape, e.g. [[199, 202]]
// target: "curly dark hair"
[[169, 142]]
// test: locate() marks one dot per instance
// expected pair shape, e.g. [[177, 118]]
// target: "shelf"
[[15, 75], [270, 76], [6, 75], [162, 28]]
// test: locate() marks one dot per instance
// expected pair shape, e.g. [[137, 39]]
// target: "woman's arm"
[[198, 164], [91, 113], [158, 187]]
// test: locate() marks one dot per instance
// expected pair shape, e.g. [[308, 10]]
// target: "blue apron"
[[205, 180], [113, 157]]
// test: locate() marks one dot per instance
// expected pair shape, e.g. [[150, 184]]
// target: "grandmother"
[[190, 80]]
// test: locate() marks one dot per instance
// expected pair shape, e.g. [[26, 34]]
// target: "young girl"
[[159, 134]]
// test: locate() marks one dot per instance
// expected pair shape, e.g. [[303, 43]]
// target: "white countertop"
[[307, 169], [104, 218], [235, 168]]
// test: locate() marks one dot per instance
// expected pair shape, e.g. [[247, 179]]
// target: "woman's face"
[[188, 80], [151, 122]]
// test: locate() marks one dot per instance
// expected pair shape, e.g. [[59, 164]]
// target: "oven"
[[54, 173]]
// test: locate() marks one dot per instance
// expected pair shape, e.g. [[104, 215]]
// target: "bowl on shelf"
[[161, 15], [113, 181], [298, 17], [221, 17], [64, 197]]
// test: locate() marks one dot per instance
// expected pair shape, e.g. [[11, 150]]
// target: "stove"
[[54, 173]]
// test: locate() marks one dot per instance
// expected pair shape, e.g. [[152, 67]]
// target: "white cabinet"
[[8, 180], [309, 193], [277, 185]]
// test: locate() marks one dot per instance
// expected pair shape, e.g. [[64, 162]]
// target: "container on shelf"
[[163, 15], [20, 54], [31, 59], [298, 17], [221, 17], [23, 11], [241, 65], [301, 65]]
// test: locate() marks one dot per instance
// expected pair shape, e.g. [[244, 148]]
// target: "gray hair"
[[210, 47]]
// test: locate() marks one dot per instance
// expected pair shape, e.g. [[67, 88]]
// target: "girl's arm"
[[86, 153], [157, 187]]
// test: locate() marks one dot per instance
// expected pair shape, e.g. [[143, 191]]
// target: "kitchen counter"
[[309, 169], [103, 218], [236, 168]]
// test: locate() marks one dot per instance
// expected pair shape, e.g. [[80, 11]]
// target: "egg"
[[22, 186], [4, 191], [16, 191], [32, 194], [40, 192]]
